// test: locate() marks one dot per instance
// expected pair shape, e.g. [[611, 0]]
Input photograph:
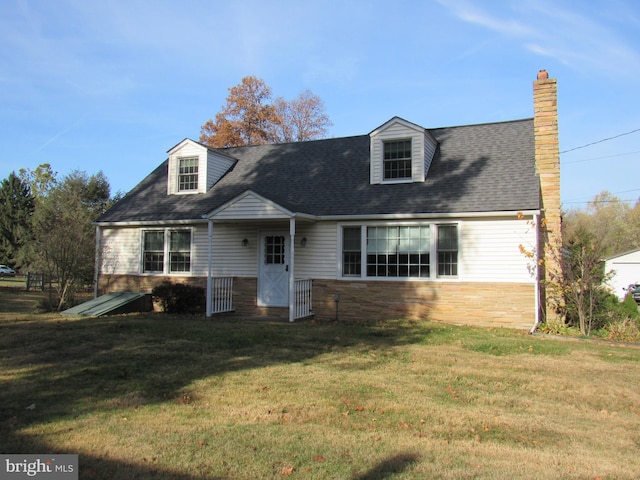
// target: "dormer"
[[401, 152], [194, 168]]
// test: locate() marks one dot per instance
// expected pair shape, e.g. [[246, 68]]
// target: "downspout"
[[537, 277], [209, 307], [96, 268]]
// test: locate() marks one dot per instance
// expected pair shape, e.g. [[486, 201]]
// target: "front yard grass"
[[181, 397]]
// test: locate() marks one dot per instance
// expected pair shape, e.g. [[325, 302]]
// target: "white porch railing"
[[302, 304], [221, 294]]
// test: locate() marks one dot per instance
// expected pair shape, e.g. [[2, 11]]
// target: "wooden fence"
[[35, 281]]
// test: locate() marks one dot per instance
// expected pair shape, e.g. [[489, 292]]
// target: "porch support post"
[[209, 268], [96, 273], [292, 269]]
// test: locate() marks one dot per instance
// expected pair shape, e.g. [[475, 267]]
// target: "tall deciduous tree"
[[64, 234], [40, 180], [16, 211], [613, 223], [249, 118], [246, 118], [301, 119]]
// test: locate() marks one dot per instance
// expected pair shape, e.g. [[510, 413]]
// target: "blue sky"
[[113, 85]]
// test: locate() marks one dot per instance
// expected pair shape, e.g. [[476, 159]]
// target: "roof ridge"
[[517, 120]]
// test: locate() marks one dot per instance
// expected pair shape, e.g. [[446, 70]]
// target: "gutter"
[[428, 216], [140, 223], [338, 218]]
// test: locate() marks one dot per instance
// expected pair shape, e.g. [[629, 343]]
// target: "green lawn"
[[157, 396]]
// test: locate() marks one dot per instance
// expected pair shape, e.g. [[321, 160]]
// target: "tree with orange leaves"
[[249, 119]]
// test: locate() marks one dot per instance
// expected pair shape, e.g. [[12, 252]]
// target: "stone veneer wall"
[[547, 159], [482, 304], [140, 283]]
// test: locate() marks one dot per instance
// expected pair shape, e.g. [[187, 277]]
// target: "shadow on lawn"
[[59, 368], [390, 466]]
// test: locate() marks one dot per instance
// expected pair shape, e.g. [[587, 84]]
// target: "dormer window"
[[397, 160], [401, 152], [194, 168], [188, 174]]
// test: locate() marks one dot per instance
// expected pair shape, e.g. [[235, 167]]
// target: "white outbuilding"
[[626, 271]]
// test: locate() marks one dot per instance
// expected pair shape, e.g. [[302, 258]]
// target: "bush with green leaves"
[[179, 298]]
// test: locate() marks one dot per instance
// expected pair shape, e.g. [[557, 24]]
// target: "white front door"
[[273, 282]]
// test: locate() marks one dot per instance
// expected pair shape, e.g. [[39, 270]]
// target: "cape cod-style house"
[[405, 221]]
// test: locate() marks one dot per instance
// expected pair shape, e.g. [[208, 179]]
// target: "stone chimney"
[[547, 161]]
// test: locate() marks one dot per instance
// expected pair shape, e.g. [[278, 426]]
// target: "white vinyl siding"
[[318, 258], [430, 146], [217, 167], [489, 250], [249, 207], [199, 251], [120, 251], [230, 257]]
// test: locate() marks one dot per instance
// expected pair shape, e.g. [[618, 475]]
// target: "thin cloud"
[[558, 32], [62, 133], [471, 14]]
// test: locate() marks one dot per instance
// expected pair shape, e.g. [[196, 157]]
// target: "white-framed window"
[[179, 251], [351, 252], [166, 250], [188, 174], [153, 251], [398, 251], [397, 160], [447, 250], [420, 250]]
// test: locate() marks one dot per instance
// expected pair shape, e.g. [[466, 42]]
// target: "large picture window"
[[401, 251], [166, 251], [397, 160]]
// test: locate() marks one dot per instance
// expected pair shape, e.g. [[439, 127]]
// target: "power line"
[[607, 201], [601, 158], [621, 200], [600, 141]]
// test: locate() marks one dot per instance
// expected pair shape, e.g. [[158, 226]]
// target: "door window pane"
[[274, 250]]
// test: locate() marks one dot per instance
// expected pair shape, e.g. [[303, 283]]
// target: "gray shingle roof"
[[476, 168]]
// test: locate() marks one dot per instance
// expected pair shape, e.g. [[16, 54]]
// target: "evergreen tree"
[[16, 211]]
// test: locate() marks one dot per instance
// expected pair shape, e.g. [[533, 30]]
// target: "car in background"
[[636, 293], [6, 271]]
